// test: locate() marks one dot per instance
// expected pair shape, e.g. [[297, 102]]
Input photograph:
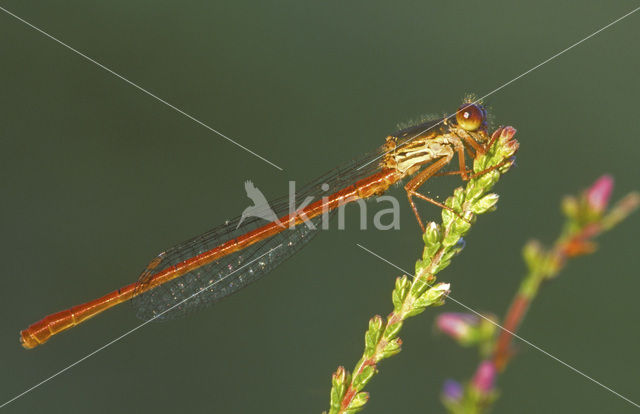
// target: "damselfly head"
[[471, 117]]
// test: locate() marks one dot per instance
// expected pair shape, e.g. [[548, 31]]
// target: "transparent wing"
[[212, 282]]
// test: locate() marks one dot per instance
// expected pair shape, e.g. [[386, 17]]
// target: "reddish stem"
[[516, 313], [351, 392], [576, 245]]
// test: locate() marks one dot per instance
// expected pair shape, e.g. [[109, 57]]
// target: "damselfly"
[[207, 268]]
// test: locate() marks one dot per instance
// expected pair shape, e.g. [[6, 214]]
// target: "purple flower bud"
[[457, 325], [484, 377], [599, 193], [452, 390]]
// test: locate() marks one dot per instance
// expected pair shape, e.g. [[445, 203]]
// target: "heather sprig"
[[586, 218], [411, 297]]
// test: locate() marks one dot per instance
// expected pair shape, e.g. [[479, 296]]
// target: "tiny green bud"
[[338, 380], [486, 203], [447, 216], [438, 293], [432, 234], [462, 226], [372, 336], [533, 254], [400, 292], [570, 206], [339, 377], [392, 348], [450, 202], [432, 297]]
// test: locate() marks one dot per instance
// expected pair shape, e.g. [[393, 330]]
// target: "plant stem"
[[575, 240], [442, 242]]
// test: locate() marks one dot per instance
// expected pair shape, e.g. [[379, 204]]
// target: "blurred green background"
[[98, 177]]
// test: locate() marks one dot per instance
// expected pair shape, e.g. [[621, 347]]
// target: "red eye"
[[470, 116]]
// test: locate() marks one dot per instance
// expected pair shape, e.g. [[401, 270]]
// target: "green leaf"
[[473, 191], [432, 236], [458, 199], [358, 402], [449, 253], [486, 180], [438, 293], [422, 264], [433, 296], [400, 292], [451, 238], [415, 310], [392, 348], [360, 380], [372, 336], [392, 330], [479, 163], [339, 380], [462, 226], [486, 203], [447, 216], [420, 284], [430, 251], [441, 265]]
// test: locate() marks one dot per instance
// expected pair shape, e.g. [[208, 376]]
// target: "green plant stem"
[[442, 242]]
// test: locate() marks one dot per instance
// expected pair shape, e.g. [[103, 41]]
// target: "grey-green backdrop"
[[98, 177]]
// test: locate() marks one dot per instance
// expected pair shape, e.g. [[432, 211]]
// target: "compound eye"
[[470, 117]]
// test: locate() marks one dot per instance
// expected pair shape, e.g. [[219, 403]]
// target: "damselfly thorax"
[[423, 150]]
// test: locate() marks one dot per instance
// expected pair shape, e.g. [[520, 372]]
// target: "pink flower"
[[599, 193], [457, 325], [484, 377]]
